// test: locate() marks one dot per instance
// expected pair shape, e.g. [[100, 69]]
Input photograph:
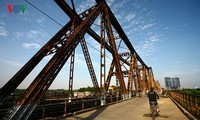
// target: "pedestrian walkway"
[[133, 109]]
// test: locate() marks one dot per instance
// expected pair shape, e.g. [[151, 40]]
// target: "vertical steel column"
[[130, 75], [142, 85], [102, 52], [160, 88], [144, 79], [117, 86], [71, 71], [139, 80], [71, 75], [115, 54], [151, 77], [103, 59], [138, 77]]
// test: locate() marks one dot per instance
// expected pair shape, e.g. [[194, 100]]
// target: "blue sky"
[[165, 33]]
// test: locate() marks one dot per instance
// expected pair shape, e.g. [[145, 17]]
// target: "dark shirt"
[[153, 96]]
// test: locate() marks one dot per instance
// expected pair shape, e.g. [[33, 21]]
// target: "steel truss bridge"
[[125, 65]]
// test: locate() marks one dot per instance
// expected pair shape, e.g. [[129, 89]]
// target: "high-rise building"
[[172, 83], [167, 82], [175, 83]]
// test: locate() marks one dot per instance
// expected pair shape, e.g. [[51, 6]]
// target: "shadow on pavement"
[[93, 115], [149, 115]]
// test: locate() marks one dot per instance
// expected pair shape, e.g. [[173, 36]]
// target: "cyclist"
[[153, 96]]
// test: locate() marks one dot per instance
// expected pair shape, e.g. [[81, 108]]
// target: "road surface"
[[133, 109]]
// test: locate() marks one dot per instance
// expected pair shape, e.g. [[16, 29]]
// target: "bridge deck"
[[133, 109]]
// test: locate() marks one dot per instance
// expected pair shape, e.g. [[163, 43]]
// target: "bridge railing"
[[59, 107], [190, 102]]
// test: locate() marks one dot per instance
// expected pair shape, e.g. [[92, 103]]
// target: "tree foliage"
[[190, 91], [84, 89], [19, 92]]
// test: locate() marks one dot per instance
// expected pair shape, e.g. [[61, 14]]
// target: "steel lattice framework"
[[63, 44]]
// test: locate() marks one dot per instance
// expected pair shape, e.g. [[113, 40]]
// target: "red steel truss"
[[62, 45]]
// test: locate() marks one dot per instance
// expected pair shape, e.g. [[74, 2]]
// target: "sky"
[[165, 33]]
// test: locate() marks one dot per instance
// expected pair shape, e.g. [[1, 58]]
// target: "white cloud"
[[18, 34], [136, 4], [130, 16], [146, 26], [34, 34], [118, 5], [30, 45], [2, 23], [148, 47], [85, 4], [40, 20], [39, 36], [3, 31], [154, 38], [139, 26]]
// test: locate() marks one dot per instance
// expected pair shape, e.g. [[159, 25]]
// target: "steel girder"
[[48, 48], [112, 50], [42, 82], [130, 74], [65, 7], [110, 74], [62, 46], [102, 52], [71, 74], [144, 78], [90, 66], [115, 54], [122, 34]]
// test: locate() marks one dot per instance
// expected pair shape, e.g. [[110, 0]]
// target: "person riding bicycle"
[[153, 96]]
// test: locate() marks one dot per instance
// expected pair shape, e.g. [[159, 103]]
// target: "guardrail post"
[[65, 109], [43, 109], [186, 101], [95, 101], [117, 95], [197, 106], [184, 98], [190, 102], [82, 101]]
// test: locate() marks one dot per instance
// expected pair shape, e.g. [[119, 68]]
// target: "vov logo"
[[16, 8]]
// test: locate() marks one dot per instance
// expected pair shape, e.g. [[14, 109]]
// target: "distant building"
[[175, 83], [172, 83], [168, 82], [82, 94]]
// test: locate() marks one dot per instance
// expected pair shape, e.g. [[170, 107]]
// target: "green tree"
[[84, 89]]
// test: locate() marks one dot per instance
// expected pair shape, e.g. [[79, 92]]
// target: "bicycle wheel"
[[154, 113], [153, 116]]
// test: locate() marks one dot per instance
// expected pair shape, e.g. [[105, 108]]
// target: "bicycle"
[[154, 109]]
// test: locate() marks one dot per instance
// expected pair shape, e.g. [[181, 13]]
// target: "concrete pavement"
[[133, 109]]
